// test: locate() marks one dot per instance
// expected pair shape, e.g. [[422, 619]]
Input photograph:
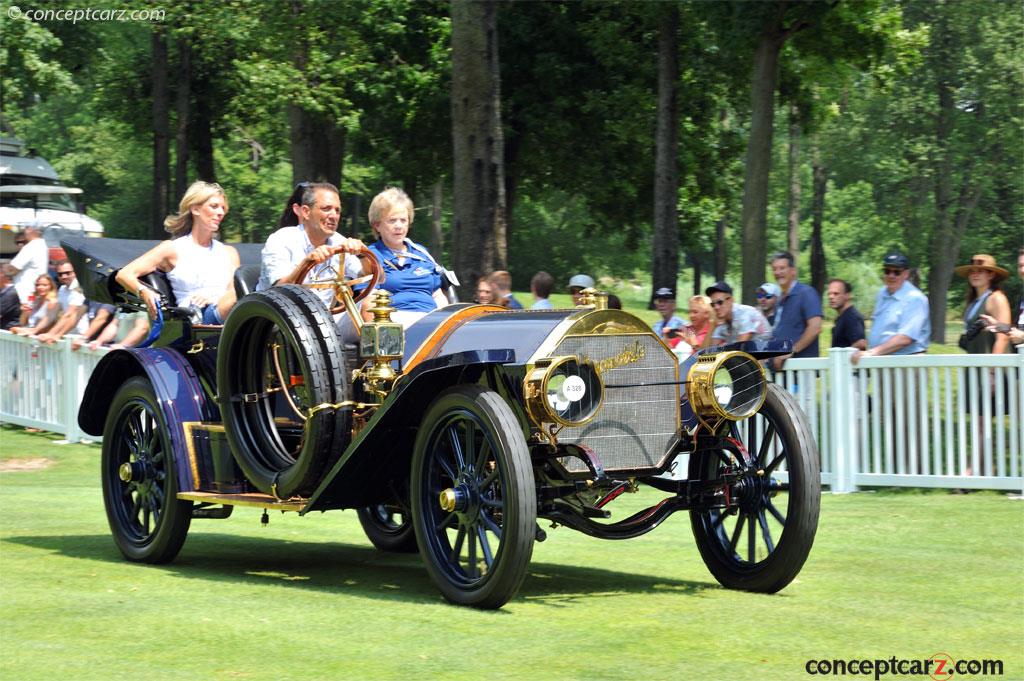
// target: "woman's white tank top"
[[201, 270]]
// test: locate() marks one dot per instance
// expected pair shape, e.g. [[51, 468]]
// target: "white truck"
[[32, 195]]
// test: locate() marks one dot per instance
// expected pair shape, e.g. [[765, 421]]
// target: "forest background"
[[656, 143]]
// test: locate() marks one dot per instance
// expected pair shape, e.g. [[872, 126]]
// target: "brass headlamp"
[[564, 391], [726, 386]]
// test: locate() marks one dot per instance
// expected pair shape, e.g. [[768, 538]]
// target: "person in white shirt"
[[316, 207], [198, 267], [72, 304], [30, 262]]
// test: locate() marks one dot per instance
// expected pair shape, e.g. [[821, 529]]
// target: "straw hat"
[[985, 262]]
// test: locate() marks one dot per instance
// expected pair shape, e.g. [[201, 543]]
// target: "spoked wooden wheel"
[[388, 526], [759, 532], [328, 277], [473, 498], [140, 484]]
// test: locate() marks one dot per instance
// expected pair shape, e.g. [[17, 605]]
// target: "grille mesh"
[[635, 426]]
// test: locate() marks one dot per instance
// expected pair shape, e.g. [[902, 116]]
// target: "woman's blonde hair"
[[704, 303], [197, 194], [388, 200], [52, 295]]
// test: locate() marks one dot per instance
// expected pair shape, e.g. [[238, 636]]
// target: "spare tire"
[[279, 356]]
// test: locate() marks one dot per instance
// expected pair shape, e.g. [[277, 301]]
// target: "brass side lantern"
[[381, 341]]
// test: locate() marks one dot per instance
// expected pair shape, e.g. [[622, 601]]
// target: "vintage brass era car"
[[452, 438]]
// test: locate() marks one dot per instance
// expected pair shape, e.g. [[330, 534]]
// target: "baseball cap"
[[770, 289], [665, 292], [720, 286], [896, 259], [581, 281]]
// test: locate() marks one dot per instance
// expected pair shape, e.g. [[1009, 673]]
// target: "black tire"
[[280, 452], [146, 518], [389, 527], [471, 441], [738, 543]]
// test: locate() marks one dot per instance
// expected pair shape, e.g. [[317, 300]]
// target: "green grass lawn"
[[891, 574]]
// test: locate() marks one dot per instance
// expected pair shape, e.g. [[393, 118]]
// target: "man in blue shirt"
[[665, 304], [900, 325], [797, 312]]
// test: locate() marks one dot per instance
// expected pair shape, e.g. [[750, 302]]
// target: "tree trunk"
[[819, 270], [794, 180], [759, 161], [161, 135], [436, 235], [951, 217], [665, 267], [721, 249], [318, 147], [182, 107], [202, 128], [479, 232]]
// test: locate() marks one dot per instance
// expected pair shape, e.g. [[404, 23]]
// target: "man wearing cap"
[[736, 322], [767, 296], [900, 325], [798, 311], [665, 304], [849, 329], [576, 286]]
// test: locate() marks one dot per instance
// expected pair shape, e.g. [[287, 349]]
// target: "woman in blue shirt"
[[411, 275]]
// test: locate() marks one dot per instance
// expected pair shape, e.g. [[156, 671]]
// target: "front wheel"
[[757, 531], [473, 499], [140, 484]]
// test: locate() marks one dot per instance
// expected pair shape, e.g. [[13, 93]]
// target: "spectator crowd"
[[49, 305]]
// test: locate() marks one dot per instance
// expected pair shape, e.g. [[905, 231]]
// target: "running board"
[[253, 499]]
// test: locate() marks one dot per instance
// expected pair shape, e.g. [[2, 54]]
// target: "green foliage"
[[578, 99]]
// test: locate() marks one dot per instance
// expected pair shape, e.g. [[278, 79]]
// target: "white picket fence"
[[954, 421], [915, 421], [42, 385]]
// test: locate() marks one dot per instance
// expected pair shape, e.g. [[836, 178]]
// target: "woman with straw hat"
[[984, 297]]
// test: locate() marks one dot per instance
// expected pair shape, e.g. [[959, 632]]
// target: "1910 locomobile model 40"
[[452, 438]]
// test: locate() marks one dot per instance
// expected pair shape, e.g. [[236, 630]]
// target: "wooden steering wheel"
[[337, 281]]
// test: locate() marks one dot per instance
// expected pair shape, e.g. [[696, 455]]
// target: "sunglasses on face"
[[718, 303], [892, 271], [64, 274], [764, 295]]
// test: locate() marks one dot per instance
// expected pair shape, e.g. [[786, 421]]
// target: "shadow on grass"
[[356, 570]]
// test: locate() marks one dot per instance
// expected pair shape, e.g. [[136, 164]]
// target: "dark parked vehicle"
[[453, 438]]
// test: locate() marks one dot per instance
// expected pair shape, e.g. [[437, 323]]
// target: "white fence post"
[[842, 416]]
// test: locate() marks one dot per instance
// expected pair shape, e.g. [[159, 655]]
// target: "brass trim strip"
[[187, 427], [254, 500]]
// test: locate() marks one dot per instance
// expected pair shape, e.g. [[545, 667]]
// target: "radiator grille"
[[635, 426]]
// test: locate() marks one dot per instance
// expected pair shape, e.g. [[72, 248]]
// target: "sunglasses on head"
[[718, 303], [894, 271]]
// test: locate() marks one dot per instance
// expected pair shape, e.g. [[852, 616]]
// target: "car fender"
[[383, 448], [177, 387]]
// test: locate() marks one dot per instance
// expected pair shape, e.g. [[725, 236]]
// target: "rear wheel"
[[473, 499], [389, 526], [281, 380], [762, 528], [140, 484]]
